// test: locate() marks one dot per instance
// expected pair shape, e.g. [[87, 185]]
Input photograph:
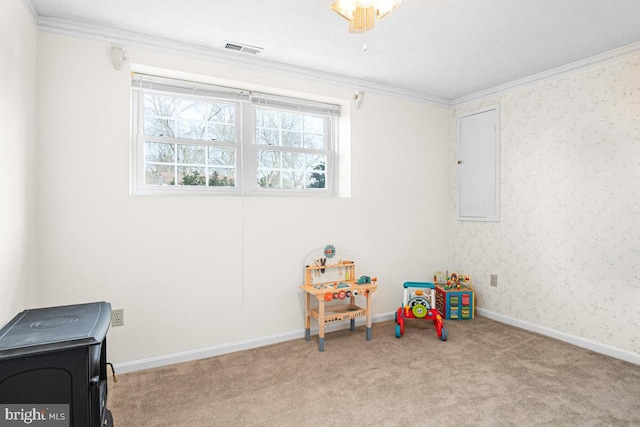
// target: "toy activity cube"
[[455, 303]]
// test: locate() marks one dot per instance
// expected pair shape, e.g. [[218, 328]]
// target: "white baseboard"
[[607, 350], [218, 350]]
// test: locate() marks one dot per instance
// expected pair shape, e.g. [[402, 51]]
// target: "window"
[[197, 139]]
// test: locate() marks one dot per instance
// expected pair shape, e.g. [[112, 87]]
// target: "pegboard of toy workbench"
[[327, 265]]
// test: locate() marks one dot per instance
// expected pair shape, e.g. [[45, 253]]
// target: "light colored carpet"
[[486, 374]]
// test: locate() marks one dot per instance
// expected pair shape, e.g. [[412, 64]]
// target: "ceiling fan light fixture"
[[385, 7], [363, 20], [344, 8], [362, 14], [364, 3]]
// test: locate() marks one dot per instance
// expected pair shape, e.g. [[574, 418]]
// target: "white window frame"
[[246, 103]]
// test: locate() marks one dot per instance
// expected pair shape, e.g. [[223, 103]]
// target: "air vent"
[[239, 47]]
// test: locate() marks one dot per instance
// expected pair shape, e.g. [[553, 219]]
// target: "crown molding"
[[28, 4], [611, 56], [132, 39]]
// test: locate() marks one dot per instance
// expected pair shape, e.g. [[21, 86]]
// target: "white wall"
[[198, 272], [18, 51], [567, 250]]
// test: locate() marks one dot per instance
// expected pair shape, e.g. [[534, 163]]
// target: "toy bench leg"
[[368, 333], [353, 325], [320, 344], [307, 334]]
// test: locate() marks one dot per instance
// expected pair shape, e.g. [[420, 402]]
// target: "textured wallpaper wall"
[[567, 248]]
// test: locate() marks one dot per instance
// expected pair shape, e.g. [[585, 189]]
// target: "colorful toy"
[[455, 303], [419, 304], [455, 281], [455, 298], [333, 284]]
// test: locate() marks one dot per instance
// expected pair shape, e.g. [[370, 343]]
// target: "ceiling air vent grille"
[[239, 47]]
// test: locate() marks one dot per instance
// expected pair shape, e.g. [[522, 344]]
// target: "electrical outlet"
[[117, 317], [494, 280]]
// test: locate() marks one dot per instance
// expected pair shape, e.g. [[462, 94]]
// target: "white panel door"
[[479, 166]]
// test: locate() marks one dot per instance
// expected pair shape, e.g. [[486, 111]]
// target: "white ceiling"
[[445, 49]]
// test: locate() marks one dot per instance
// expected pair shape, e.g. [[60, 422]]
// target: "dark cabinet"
[[53, 364]]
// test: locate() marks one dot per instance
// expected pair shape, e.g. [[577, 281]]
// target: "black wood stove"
[[53, 367]]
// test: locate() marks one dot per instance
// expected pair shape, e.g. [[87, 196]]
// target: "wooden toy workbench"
[[332, 284]]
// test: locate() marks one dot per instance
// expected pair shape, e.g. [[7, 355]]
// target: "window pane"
[[222, 177], [279, 120], [293, 161], [268, 179], [192, 154], [317, 178], [220, 132], [291, 139], [190, 119], [222, 156], [157, 115], [291, 170], [291, 122], [291, 180], [279, 128], [313, 161], [313, 124], [267, 137], [268, 159], [314, 133], [268, 118], [159, 175], [314, 142], [188, 175], [159, 152]]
